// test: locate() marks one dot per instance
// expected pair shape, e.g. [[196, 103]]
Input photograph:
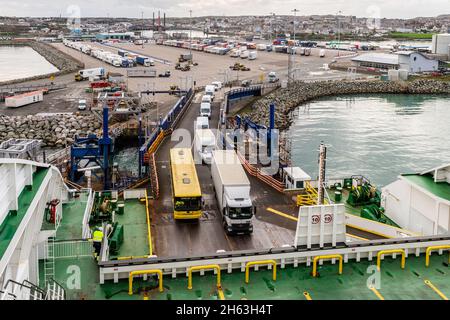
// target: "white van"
[[217, 84], [244, 54], [201, 123], [252, 55], [209, 91], [206, 98], [205, 110], [235, 53], [205, 143], [82, 105]]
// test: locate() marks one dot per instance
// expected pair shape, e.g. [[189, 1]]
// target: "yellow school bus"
[[186, 192]]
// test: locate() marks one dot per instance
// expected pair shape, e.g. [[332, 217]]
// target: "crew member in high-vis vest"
[[97, 238]]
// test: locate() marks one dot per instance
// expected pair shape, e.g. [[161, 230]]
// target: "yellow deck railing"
[[209, 266], [383, 252], [310, 198], [327, 257], [258, 263], [433, 248], [142, 272], [149, 232]]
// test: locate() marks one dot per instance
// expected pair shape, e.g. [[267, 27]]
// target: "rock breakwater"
[[55, 131]]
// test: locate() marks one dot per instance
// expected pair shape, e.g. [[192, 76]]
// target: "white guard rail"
[[73, 249], [86, 233]]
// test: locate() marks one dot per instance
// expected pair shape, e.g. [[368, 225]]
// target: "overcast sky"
[[133, 8]]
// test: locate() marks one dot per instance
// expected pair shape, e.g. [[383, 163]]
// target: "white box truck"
[[201, 123], [24, 99], [205, 143], [210, 91], [232, 189]]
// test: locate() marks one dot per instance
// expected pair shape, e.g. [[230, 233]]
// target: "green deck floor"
[[134, 222], [12, 221], [71, 224], [396, 284], [441, 189]]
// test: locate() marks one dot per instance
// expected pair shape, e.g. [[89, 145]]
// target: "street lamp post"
[[190, 34], [295, 15], [271, 27], [142, 33], [339, 32]]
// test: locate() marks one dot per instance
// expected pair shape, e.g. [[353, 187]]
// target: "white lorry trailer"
[[90, 73], [24, 99], [232, 189], [205, 143], [149, 73]]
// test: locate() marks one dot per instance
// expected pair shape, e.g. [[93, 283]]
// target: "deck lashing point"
[[440, 271]]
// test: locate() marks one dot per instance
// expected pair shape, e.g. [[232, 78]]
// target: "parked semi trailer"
[[24, 99], [144, 61], [95, 73], [232, 189], [148, 73]]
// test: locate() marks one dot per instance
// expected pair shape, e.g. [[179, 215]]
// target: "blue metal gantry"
[[92, 149]]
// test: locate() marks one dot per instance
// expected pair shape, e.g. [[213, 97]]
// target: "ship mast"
[[322, 164]]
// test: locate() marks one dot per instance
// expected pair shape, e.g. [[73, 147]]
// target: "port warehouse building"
[[115, 36], [411, 61]]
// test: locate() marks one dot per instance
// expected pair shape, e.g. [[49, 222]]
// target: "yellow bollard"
[[382, 252], [330, 256], [196, 268], [258, 263]]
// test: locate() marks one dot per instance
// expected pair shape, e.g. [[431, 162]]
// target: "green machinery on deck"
[[362, 192], [376, 213], [116, 238], [103, 211]]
